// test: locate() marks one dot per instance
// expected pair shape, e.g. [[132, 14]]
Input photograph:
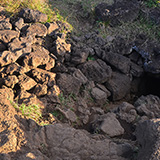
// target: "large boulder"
[[148, 136], [118, 61], [119, 85], [68, 84], [97, 71]]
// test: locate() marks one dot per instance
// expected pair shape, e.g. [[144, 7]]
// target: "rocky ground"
[[86, 97]]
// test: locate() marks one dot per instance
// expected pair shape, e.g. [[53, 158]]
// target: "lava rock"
[[7, 35], [10, 81], [99, 96], [25, 82], [37, 29], [43, 77], [149, 106], [108, 123], [97, 71], [40, 90], [68, 84], [5, 25], [30, 15], [118, 61], [118, 85], [127, 112], [148, 135]]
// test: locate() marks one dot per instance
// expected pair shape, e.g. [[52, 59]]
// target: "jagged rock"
[[136, 71], [118, 61], [10, 81], [68, 84], [2, 47], [80, 76], [27, 98], [60, 47], [30, 15], [20, 46], [118, 85], [12, 137], [126, 112], [37, 29], [7, 35], [5, 25], [40, 90], [148, 136], [97, 71], [50, 64], [60, 67], [109, 121], [69, 114], [103, 88], [99, 96], [52, 27], [79, 57], [8, 57], [120, 12], [53, 94], [19, 23], [77, 144], [25, 82], [36, 58], [14, 69], [149, 106], [42, 76]]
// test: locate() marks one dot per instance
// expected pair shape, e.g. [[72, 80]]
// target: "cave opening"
[[151, 85]]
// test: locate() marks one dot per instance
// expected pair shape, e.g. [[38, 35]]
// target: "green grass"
[[58, 115], [152, 3], [31, 111]]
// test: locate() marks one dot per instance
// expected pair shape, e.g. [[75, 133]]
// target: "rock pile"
[[77, 80]]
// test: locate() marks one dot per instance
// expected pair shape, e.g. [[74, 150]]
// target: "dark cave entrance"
[[151, 85]]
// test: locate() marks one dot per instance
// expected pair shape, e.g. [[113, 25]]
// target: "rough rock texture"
[[118, 85], [37, 29], [97, 71], [149, 106], [108, 123], [148, 135], [30, 15], [7, 35], [127, 112], [68, 84]]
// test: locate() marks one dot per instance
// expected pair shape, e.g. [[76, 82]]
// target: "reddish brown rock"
[[7, 35], [10, 81], [37, 29], [45, 77], [40, 90], [25, 82]]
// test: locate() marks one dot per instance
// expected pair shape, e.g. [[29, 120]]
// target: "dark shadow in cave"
[[152, 85]]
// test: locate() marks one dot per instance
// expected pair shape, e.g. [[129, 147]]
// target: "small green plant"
[[31, 111], [58, 115], [64, 101], [90, 58]]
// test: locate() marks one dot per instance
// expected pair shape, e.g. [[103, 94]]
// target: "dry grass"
[[14, 6]]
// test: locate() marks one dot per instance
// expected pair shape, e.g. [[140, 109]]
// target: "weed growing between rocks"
[[32, 111]]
